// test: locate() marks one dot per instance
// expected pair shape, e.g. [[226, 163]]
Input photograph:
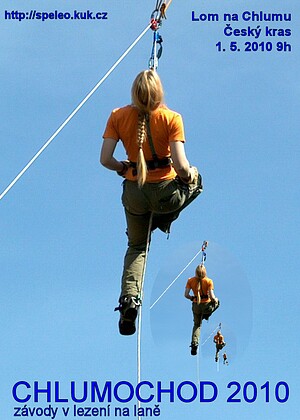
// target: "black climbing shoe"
[[194, 349], [128, 313]]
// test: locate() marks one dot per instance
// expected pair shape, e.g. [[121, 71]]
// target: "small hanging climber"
[[159, 181], [220, 343], [204, 302], [225, 360]]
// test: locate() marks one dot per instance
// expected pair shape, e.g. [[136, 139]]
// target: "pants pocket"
[[170, 199]]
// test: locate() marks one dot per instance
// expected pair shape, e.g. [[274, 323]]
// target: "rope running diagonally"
[[68, 119], [205, 243], [202, 344], [176, 278]]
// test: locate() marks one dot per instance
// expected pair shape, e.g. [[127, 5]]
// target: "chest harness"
[[155, 162]]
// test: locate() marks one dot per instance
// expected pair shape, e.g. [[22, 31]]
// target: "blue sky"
[[63, 227]]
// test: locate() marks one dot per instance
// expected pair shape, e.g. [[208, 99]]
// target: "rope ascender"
[[204, 246], [157, 15]]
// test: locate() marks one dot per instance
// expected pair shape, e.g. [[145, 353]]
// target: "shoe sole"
[[127, 323], [126, 327], [131, 314], [194, 351]]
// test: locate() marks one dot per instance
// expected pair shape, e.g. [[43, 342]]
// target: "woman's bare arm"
[[107, 155]]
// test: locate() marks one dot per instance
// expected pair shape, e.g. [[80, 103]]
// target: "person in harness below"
[[159, 180], [225, 359], [204, 302], [220, 343]]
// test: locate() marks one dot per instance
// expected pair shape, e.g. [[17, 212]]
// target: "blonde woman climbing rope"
[[204, 302], [220, 343], [159, 181]]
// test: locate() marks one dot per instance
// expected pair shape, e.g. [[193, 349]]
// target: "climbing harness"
[[155, 162]]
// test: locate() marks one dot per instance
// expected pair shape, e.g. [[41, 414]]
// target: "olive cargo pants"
[[165, 200], [201, 311]]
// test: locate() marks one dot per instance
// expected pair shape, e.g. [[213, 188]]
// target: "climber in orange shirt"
[[204, 302]]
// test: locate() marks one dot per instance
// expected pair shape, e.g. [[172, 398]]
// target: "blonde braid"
[[141, 162], [199, 292], [147, 95]]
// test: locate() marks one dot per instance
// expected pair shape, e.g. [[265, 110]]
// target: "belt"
[[153, 164], [202, 297]]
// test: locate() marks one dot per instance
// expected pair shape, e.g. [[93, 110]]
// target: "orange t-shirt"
[[219, 339], [165, 126], [207, 284]]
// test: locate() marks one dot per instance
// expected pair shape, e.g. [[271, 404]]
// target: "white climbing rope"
[[68, 119]]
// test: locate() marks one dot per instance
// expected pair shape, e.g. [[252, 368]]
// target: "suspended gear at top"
[[156, 51], [157, 15], [204, 246]]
